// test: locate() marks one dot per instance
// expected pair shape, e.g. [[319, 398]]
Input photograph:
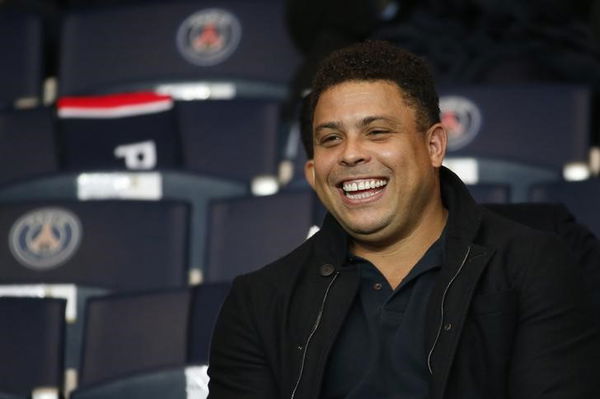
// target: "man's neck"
[[396, 260]]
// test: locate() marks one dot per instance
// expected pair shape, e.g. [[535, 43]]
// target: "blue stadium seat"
[[207, 299], [246, 233], [490, 193], [163, 383], [4, 395], [27, 143], [134, 332], [31, 344], [120, 47], [21, 51], [519, 134], [232, 139], [581, 198], [117, 245]]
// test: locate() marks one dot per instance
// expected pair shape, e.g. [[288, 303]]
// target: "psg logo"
[[45, 238], [462, 120], [209, 36]]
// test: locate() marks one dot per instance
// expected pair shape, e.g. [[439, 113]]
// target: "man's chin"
[[364, 231]]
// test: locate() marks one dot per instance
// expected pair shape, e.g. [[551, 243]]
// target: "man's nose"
[[353, 153]]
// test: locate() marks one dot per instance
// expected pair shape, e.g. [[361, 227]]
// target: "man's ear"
[[309, 172], [437, 141]]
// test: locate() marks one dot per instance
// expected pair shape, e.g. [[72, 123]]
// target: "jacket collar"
[[333, 247], [464, 216]]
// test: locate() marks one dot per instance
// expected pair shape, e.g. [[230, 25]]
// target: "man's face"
[[372, 168]]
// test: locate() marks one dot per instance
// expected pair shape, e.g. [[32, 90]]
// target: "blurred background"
[[150, 152]]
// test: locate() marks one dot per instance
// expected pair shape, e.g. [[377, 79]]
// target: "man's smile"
[[362, 189]]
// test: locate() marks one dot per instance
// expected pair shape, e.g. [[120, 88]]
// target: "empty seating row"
[[234, 140], [156, 221]]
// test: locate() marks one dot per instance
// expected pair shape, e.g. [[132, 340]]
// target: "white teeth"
[[361, 195], [363, 185]]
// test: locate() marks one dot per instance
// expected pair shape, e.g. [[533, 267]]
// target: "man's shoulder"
[[540, 221], [505, 232]]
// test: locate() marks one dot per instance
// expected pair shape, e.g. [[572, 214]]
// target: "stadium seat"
[[231, 139], [4, 395], [155, 43], [117, 245], [22, 66], [27, 143], [518, 134], [189, 382], [134, 332], [490, 193], [246, 233], [581, 198], [136, 131], [31, 344], [207, 299]]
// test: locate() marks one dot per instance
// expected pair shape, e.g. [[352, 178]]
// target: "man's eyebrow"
[[376, 118], [362, 123], [328, 125]]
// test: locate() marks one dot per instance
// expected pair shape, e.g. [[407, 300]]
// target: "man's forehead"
[[362, 102], [348, 82]]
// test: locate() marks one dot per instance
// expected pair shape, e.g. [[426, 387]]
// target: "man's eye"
[[378, 132], [329, 139]]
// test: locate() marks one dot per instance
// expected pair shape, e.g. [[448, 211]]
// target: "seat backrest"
[[31, 343], [234, 139], [246, 233], [491, 193], [512, 123], [27, 143], [207, 299], [159, 42], [118, 245], [21, 51], [581, 198], [174, 382], [134, 332]]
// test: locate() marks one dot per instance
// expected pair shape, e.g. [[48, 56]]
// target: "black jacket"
[[507, 318]]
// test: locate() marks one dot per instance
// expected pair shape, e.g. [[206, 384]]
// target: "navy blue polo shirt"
[[380, 351]]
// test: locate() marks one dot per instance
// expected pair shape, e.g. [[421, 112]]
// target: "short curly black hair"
[[369, 61]]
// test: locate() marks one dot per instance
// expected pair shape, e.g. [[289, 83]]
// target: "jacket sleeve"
[[237, 362], [557, 345]]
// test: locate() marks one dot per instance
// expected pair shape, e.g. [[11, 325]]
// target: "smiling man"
[[410, 289]]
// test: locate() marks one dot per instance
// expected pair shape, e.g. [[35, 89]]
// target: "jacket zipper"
[[439, 331], [312, 333]]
